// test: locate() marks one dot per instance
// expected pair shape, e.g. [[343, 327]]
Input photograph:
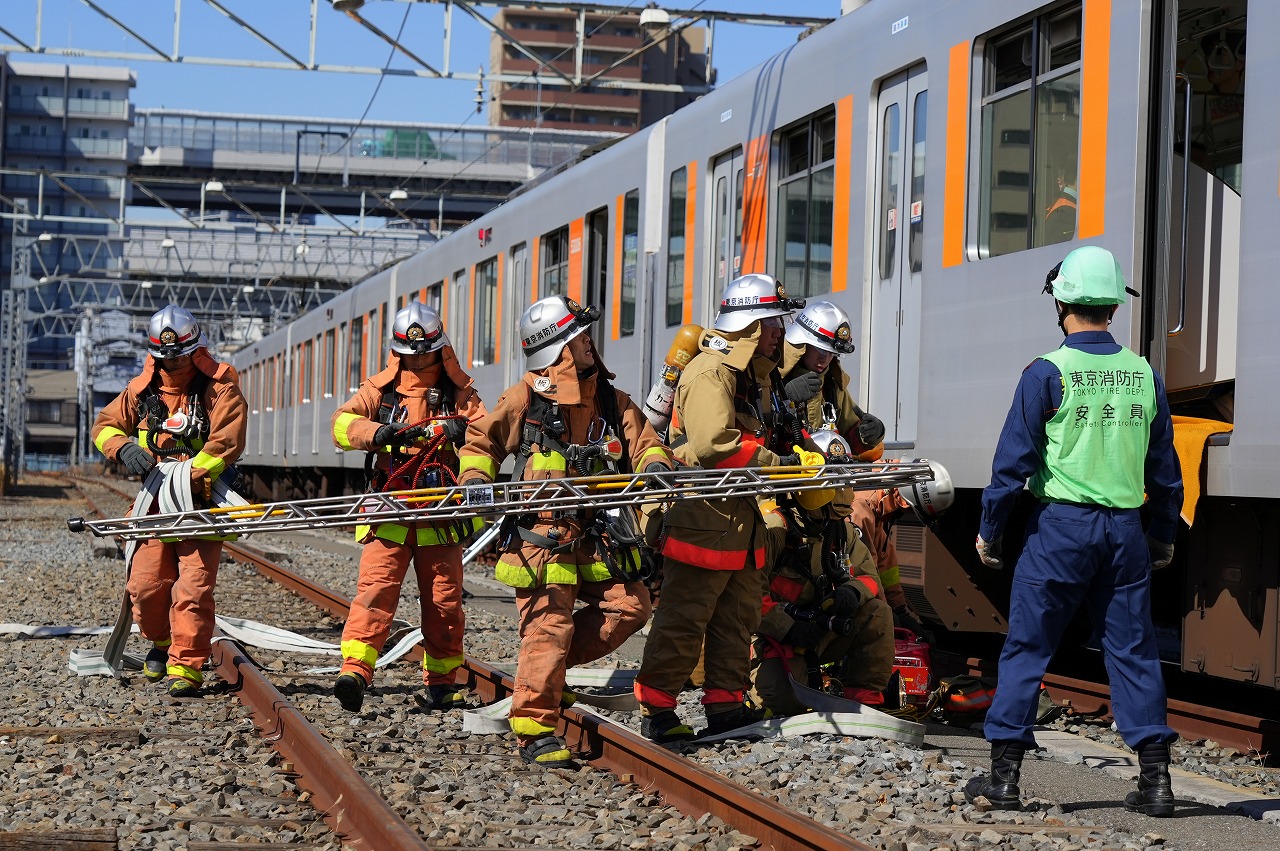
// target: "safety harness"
[[619, 542], [189, 426]]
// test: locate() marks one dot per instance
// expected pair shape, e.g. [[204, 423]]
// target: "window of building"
[[630, 261], [555, 263], [44, 411], [806, 204], [677, 198], [486, 319], [1030, 134]]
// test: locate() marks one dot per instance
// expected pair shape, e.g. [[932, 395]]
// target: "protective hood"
[[200, 358], [561, 382], [448, 364]]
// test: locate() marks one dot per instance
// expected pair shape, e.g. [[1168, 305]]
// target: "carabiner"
[[604, 430]]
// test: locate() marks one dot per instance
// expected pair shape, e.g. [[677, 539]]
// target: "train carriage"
[[925, 162]]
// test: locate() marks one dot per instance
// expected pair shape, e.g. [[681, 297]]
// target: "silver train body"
[[907, 161]]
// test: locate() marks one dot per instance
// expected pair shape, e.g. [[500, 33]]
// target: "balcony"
[[98, 148], [528, 66], [53, 105], [622, 101]]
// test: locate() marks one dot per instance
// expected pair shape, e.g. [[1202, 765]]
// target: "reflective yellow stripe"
[[657, 453], [482, 463], [340, 437], [553, 573], [441, 666], [105, 435], [393, 532], [597, 571], [185, 672], [212, 463], [428, 537], [163, 643], [529, 727], [892, 576], [548, 461], [358, 650]]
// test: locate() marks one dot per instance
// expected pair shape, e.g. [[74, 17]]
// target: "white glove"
[[989, 552]]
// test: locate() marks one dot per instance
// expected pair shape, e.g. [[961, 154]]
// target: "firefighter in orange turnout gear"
[[714, 550], [184, 405], [564, 419], [412, 416]]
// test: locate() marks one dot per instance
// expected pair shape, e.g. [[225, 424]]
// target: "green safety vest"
[[1096, 444]]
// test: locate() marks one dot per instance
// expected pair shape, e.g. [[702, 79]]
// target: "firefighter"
[[875, 512], [564, 419], [714, 550], [815, 382], [1089, 433], [822, 610], [184, 405], [410, 418]]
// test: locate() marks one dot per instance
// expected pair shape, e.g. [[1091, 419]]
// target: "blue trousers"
[[1098, 556]]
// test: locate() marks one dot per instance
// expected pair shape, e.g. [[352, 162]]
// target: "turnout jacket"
[[355, 423], [223, 403], [868, 513], [720, 404], [500, 434]]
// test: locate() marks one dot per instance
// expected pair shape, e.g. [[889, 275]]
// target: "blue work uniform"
[[1080, 552]]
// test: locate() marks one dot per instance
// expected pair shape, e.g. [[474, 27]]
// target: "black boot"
[[1154, 795], [1000, 787]]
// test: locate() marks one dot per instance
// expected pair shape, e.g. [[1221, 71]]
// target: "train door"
[[1196, 194], [520, 291], [595, 289], [893, 356], [724, 199]]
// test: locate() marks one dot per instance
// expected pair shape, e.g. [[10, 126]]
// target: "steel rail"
[[457, 502]]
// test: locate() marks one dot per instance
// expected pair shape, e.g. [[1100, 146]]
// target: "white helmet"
[[548, 324], [930, 499], [750, 298], [174, 332], [417, 330], [832, 446], [824, 325]]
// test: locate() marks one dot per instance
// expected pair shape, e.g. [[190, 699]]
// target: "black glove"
[[1161, 553], [792, 460], [848, 598], [135, 459], [904, 619], [656, 467], [870, 428], [455, 431], [804, 634], [396, 434], [803, 387]]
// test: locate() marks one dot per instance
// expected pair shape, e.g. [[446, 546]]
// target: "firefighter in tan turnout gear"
[[564, 419], [184, 405], [410, 417], [714, 550]]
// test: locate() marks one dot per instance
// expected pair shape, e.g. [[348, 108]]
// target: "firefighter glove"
[[656, 467], [395, 434], [792, 460], [804, 634], [803, 387], [903, 618], [1161, 553], [135, 459], [989, 552], [455, 430], [848, 598], [870, 428]]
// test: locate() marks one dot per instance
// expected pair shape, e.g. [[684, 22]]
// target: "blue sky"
[[339, 41]]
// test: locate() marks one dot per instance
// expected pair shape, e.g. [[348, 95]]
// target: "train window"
[[806, 204], [434, 297], [919, 122], [486, 320], [890, 168], [675, 245], [1031, 134], [630, 261], [270, 388], [329, 365], [355, 363], [555, 262], [459, 299], [381, 339], [307, 375]]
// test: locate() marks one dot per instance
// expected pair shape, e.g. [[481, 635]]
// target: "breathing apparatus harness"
[[187, 425], [617, 536]]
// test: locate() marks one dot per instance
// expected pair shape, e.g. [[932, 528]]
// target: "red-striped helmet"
[[174, 332], [417, 329], [548, 324], [824, 325], [930, 499], [750, 298]]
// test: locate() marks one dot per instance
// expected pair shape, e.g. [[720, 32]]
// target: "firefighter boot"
[[1154, 795], [738, 715], [547, 751], [154, 666], [349, 689], [1000, 787], [440, 698], [664, 727], [182, 687]]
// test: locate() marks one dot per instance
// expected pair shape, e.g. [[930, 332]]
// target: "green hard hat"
[[1088, 275]]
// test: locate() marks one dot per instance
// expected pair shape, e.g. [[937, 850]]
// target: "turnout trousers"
[[554, 638], [383, 565], [721, 605], [1097, 556], [171, 589]]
